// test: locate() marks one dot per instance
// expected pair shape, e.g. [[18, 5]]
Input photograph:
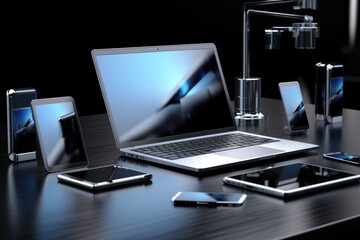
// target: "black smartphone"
[[294, 106], [104, 177], [329, 91], [343, 157], [209, 198], [21, 136]]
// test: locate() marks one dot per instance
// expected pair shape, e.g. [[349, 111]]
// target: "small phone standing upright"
[[20, 124], [294, 108]]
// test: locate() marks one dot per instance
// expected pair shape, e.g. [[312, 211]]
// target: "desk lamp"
[[247, 89]]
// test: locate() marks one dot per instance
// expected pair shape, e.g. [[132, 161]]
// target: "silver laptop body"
[[174, 93]]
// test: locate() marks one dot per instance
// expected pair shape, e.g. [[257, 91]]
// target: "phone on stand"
[[21, 136], [209, 198], [294, 108], [343, 157]]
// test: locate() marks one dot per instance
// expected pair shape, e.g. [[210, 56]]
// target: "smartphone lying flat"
[[343, 157], [104, 177], [209, 198]]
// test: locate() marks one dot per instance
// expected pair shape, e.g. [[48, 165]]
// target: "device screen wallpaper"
[[180, 92], [294, 107], [336, 96], [23, 130], [61, 137]]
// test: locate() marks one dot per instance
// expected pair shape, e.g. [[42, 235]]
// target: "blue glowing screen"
[[163, 93]]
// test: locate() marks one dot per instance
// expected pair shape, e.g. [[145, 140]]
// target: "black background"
[[47, 46]]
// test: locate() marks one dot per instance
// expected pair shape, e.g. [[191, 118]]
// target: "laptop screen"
[[163, 91]]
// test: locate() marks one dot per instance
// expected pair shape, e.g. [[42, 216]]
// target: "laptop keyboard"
[[200, 146]]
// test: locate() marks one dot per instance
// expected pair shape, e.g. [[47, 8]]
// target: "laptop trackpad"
[[251, 152]]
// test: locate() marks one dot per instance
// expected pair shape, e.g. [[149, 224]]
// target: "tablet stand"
[[39, 159], [288, 131]]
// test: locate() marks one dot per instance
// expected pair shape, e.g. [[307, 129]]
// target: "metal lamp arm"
[[246, 29]]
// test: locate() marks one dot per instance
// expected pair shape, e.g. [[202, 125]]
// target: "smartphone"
[[104, 177], [209, 198], [294, 106], [343, 157], [329, 91], [21, 136]]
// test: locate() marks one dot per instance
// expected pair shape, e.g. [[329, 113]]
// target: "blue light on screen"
[[48, 118], [336, 85], [293, 97], [152, 77]]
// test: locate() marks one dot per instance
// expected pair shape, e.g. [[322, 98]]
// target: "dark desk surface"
[[36, 206]]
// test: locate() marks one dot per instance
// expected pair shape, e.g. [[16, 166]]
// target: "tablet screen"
[[104, 174], [292, 178], [59, 133]]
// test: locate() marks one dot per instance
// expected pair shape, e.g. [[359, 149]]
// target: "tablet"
[[59, 134], [291, 180], [104, 177]]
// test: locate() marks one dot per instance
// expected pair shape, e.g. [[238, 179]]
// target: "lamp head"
[[305, 35], [305, 4]]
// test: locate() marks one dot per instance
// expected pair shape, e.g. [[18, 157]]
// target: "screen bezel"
[[40, 129]]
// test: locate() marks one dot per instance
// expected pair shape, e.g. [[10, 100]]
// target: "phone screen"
[[336, 94], [294, 105], [345, 157], [209, 198], [24, 138]]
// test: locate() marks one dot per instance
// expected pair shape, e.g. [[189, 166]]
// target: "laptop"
[[292, 179], [160, 97]]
